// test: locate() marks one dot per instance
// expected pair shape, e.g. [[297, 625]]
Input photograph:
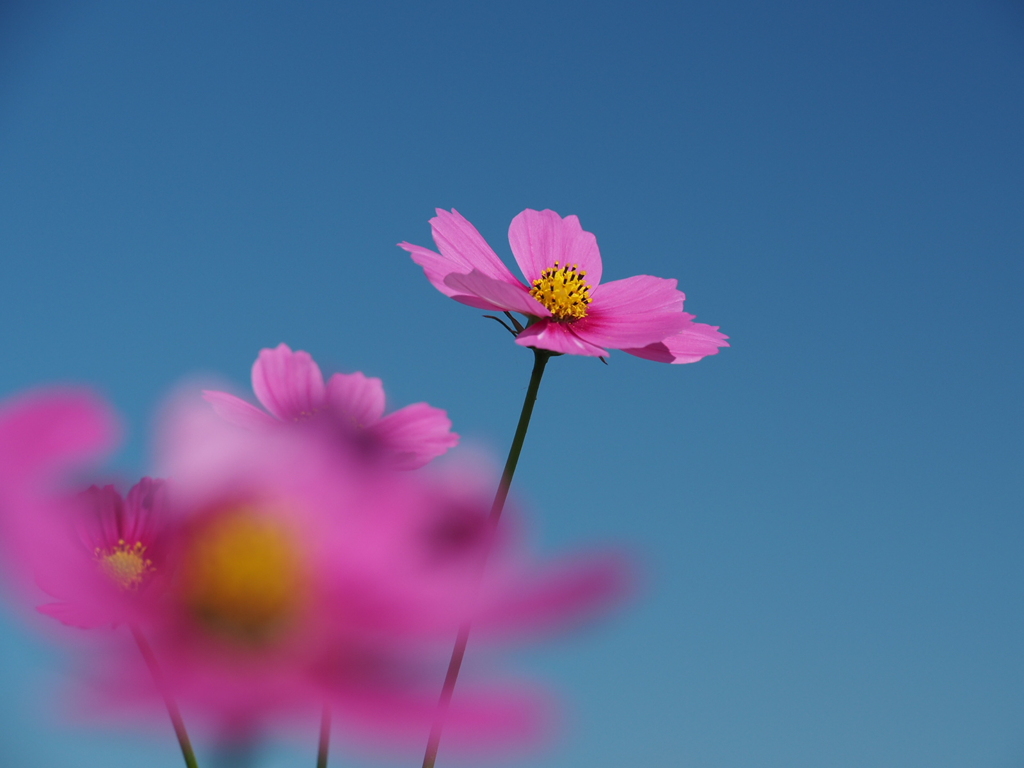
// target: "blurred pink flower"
[[570, 311], [120, 538], [291, 387], [277, 571], [307, 575], [93, 551]]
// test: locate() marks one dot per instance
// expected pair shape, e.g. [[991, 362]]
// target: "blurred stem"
[[325, 737], [540, 360], [172, 707]]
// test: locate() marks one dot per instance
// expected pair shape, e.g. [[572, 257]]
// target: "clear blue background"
[[829, 512]]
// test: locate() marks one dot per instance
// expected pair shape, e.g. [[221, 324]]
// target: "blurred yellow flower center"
[[242, 576], [563, 291], [126, 565]]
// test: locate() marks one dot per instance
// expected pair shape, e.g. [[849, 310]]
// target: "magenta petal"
[[557, 337], [359, 397], [102, 523], [476, 302], [236, 411], [540, 238], [73, 615], [288, 384], [694, 342], [495, 295], [463, 250], [633, 313], [416, 434], [145, 509], [476, 719], [558, 600], [47, 430], [621, 331], [435, 266], [461, 243], [640, 293], [508, 718]]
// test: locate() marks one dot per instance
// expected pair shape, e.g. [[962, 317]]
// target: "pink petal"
[[460, 243], [540, 238], [74, 615], [622, 331], [44, 431], [463, 250], [145, 509], [476, 718], [358, 397], [633, 313], [101, 525], [495, 295], [288, 384], [557, 337], [435, 266], [416, 433], [693, 343], [236, 411], [505, 719], [558, 600], [640, 293]]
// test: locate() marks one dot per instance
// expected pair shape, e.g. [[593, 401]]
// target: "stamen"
[[126, 565], [563, 291]]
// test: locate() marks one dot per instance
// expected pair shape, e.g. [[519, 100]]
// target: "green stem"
[[172, 707], [325, 737], [540, 359]]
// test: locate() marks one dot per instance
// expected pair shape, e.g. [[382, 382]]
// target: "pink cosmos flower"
[[569, 310], [288, 572], [305, 574], [291, 387], [121, 556], [93, 551]]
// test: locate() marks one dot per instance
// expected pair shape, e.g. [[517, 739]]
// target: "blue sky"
[[828, 513]]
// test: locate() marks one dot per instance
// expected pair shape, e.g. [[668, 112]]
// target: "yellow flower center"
[[242, 577], [126, 565], [563, 291]]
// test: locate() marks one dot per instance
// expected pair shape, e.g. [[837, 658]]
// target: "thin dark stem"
[[172, 707], [451, 676], [540, 359], [325, 737]]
